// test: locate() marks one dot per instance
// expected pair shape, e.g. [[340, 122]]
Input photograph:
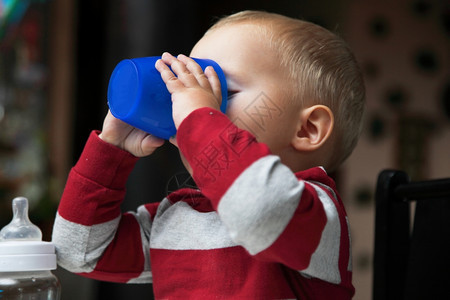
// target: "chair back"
[[411, 254]]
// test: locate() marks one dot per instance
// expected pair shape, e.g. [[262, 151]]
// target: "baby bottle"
[[138, 96], [26, 260]]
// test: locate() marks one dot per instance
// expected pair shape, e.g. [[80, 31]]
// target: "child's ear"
[[315, 126]]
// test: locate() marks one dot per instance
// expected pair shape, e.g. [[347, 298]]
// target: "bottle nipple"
[[20, 228]]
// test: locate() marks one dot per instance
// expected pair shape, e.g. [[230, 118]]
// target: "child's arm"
[[191, 88], [91, 235]]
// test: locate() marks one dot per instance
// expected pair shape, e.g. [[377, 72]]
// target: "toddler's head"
[[319, 69]]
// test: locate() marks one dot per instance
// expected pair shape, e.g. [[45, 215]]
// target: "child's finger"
[[180, 69], [193, 67], [169, 78], [214, 81], [150, 143]]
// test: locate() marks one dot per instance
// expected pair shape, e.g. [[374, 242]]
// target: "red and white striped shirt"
[[253, 230]]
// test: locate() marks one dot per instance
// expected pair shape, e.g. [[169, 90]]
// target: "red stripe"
[[84, 202], [229, 273], [123, 259], [220, 154], [152, 208], [95, 188], [300, 239]]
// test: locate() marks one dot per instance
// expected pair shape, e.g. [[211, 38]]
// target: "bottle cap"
[[21, 247]]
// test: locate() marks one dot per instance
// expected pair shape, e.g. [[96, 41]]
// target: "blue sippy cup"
[[138, 96]]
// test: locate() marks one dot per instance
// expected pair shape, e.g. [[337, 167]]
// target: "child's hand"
[[128, 138], [191, 88]]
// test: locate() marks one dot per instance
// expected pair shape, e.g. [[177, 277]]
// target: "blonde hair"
[[322, 68]]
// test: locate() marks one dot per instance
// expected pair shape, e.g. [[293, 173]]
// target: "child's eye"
[[231, 94]]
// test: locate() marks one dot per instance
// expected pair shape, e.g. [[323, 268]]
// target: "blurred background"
[[56, 58]]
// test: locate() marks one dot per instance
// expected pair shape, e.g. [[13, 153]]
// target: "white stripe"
[[180, 227], [350, 264], [260, 203], [324, 262], [144, 219], [145, 277], [79, 247]]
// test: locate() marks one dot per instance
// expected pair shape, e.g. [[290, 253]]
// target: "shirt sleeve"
[[276, 215], [90, 233]]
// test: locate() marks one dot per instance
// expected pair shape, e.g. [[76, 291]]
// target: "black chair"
[[411, 258]]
